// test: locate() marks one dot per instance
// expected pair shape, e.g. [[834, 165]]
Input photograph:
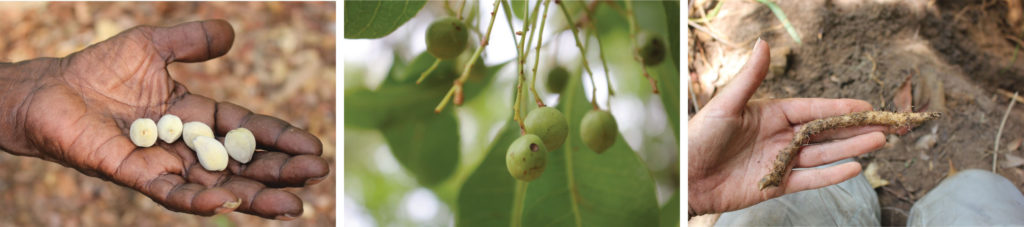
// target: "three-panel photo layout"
[[512, 113]]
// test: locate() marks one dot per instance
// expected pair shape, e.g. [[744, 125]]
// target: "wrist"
[[19, 81]]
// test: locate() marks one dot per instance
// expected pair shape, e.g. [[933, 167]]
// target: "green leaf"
[[426, 146], [486, 197], [375, 19], [369, 109], [782, 18], [668, 87], [672, 16], [518, 8], [670, 212]]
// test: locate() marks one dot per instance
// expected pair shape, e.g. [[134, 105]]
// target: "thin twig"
[[600, 50], [713, 35], [526, 51], [429, 70], [583, 53], [1009, 95], [631, 17], [508, 17], [536, 60], [519, 68], [874, 66], [995, 150], [461, 7], [469, 64]]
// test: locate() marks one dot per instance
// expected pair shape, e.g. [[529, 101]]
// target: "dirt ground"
[[282, 64], [959, 57]]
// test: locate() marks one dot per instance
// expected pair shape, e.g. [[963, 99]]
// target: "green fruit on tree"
[[651, 47], [598, 130], [526, 158], [557, 79], [446, 38], [549, 124]]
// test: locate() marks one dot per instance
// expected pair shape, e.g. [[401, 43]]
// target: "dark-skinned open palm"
[[76, 111]]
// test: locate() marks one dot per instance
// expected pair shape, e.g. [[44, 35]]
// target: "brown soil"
[[959, 56]]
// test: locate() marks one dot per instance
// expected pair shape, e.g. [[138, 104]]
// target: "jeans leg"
[[971, 197], [850, 203]]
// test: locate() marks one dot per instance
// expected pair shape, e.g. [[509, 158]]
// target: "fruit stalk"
[[583, 53], [469, 64], [780, 166], [540, 38], [636, 50]]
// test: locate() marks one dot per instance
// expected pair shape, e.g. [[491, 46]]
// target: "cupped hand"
[[733, 142], [76, 111]]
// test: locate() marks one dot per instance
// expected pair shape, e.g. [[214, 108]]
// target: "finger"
[[264, 202], [276, 169], [820, 154], [254, 197], [803, 110], [843, 133], [805, 179], [735, 95], [194, 108], [270, 132], [194, 41], [172, 192]]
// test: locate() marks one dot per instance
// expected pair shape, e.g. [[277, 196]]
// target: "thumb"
[[193, 41], [734, 96]]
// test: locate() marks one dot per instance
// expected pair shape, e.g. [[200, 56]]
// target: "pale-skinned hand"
[[733, 142]]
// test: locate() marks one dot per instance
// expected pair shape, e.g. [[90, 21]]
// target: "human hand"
[[733, 142], [76, 111]]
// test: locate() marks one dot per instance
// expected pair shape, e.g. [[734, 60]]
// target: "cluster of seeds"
[[212, 154]]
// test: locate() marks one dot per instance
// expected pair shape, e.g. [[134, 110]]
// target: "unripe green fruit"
[[598, 130], [557, 79], [549, 124], [652, 47], [446, 38], [526, 158]]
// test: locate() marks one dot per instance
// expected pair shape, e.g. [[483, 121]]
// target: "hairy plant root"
[[891, 119]]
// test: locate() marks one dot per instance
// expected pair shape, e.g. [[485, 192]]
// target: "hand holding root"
[[895, 120], [728, 139]]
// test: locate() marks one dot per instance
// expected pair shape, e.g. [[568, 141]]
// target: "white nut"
[[240, 144], [169, 127], [143, 132], [194, 129], [211, 153]]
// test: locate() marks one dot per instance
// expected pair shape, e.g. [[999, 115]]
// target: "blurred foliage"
[[459, 153], [282, 63]]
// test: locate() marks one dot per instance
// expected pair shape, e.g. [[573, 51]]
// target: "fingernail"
[[312, 181], [228, 206], [285, 217], [758, 42]]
